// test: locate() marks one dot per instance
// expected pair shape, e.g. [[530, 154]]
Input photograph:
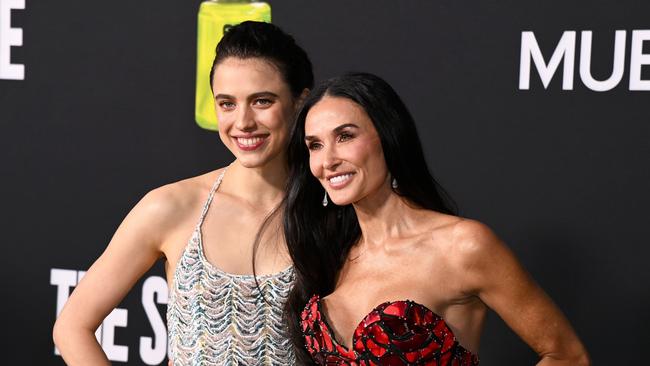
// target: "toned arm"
[[500, 281], [134, 248]]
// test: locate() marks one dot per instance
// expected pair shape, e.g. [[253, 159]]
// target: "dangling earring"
[[394, 183], [325, 199]]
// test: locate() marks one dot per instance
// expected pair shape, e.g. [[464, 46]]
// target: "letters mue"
[[565, 52]]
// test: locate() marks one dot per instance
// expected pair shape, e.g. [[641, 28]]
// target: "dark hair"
[[319, 238], [267, 41]]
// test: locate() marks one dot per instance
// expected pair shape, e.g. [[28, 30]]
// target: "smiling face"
[[345, 152], [254, 105]]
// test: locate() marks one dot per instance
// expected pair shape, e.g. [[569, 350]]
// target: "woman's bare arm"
[[500, 281], [134, 248]]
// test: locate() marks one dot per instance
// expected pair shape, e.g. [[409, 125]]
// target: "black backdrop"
[[105, 113]]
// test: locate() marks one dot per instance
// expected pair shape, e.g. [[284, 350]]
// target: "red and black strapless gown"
[[394, 333]]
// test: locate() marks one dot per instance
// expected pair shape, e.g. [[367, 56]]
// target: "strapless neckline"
[[396, 332]]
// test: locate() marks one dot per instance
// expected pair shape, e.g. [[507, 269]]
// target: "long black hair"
[[319, 238]]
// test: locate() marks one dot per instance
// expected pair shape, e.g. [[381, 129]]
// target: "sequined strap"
[[214, 188]]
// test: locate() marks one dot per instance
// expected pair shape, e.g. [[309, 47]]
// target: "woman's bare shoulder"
[[468, 248], [461, 236], [476, 249], [472, 235], [174, 202]]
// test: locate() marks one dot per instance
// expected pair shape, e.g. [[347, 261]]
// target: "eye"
[[314, 145], [227, 105], [262, 102], [344, 136]]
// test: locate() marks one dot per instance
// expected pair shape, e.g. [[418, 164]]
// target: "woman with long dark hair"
[[387, 273], [219, 312]]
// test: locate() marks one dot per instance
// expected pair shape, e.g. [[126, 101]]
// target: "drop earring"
[[325, 199], [394, 183]]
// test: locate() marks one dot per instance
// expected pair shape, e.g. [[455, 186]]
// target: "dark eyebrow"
[[344, 126], [337, 130], [223, 96], [262, 94], [252, 96]]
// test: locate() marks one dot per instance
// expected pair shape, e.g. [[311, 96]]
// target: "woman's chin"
[[342, 201], [248, 161], [254, 160]]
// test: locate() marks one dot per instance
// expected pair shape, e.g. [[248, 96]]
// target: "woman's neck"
[[261, 186], [384, 215]]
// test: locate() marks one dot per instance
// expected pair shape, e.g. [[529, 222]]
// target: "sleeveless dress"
[[218, 318], [393, 333]]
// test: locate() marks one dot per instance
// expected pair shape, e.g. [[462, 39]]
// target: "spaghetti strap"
[[214, 188]]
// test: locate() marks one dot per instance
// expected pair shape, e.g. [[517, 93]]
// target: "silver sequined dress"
[[218, 318]]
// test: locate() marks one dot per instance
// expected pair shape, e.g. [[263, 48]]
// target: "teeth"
[[340, 178], [249, 141]]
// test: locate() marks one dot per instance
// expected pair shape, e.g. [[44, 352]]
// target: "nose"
[[245, 120], [331, 159]]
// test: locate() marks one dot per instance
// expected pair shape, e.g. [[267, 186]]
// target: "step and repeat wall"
[[534, 115]]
